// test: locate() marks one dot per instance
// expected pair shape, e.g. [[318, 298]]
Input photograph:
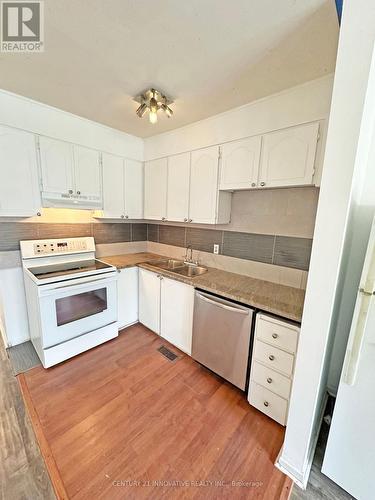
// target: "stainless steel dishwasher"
[[221, 336]]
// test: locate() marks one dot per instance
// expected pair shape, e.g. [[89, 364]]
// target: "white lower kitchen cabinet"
[[127, 293], [166, 307], [149, 300], [176, 319], [19, 185], [272, 366]]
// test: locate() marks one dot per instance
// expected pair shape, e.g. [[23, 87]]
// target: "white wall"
[[340, 175], [26, 114], [303, 103]]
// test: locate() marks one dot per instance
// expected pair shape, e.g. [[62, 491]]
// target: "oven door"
[[74, 308]]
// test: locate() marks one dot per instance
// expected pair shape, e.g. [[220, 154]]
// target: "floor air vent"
[[167, 353]]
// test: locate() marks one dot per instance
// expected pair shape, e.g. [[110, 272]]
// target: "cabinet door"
[[240, 164], [176, 322], [156, 173], [113, 186], [56, 160], [288, 156], [204, 185], [127, 293], [19, 185], [178, 187], [149, 300], [87, 170], [133, 189]]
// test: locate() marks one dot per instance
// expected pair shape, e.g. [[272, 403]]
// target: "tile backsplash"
[[287, 251]]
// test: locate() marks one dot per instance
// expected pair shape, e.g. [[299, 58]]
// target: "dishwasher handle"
[[233, 308]]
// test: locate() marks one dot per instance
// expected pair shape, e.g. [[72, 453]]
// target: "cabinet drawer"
[[271, 380], [274, 357], [276, 333], [269, 403]]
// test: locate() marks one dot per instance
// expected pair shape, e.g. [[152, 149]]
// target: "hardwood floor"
[[122, 421], [22, 471]]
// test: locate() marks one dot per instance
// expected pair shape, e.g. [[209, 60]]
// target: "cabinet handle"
[[274, 335], [78, 192], [253, 184], [269, 380], [163, 218], [266, 403], [70, 191], [271, 357], [161, 277], [262, 184]]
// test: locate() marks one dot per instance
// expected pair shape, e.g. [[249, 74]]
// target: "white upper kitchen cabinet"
[[122, 188], [156, 175], [178, 189], [133, 189], [240, 163], [288, 156], [87, 169], [19, 184], [57, 165], [127, 293], [149, 300], [176, 320], [208, 205], [113, 186], [71, 175]]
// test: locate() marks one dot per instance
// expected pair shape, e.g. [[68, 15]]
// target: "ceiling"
[[208, 55]]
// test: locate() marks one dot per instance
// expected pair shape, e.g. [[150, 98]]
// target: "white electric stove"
[[71, 297]]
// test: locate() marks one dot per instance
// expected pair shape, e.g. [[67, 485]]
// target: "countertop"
[[284, 301]]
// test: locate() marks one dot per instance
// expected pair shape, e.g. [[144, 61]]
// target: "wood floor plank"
[[123, 412]]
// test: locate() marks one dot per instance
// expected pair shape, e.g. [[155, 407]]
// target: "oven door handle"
[[79, 284]]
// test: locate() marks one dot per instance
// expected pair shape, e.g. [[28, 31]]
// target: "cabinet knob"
[[163, 218], [262, 184], [271, 357], [190, 220], [185, 220], [126, 216], [266, 403], [122, 216], [269, 380], [78, 192], [70, 191], [274, 335], [253, 184], [38, 214]]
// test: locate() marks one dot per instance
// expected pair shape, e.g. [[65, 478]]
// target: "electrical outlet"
[[216, 249]]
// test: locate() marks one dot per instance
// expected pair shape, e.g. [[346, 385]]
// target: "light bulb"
[[153, 117]]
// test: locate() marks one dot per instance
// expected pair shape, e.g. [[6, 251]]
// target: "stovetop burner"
[[68, 268]]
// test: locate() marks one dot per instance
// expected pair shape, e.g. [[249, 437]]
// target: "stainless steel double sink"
[[178, 267]]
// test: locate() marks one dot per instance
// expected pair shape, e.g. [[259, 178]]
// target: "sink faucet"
[[189, 260]]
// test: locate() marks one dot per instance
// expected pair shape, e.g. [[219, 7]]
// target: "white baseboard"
[[301, 477]]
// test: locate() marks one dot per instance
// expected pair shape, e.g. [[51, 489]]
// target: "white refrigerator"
[[350, 454]]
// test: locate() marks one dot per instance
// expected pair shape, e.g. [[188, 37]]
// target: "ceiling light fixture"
[[152, 100]]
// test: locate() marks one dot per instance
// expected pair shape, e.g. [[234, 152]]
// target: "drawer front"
[[269, 403], [279, 335], [274, 357], [271, 380]]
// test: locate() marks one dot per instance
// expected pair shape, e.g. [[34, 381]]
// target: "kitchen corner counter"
[[130, 260], [284, 301]]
